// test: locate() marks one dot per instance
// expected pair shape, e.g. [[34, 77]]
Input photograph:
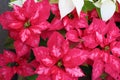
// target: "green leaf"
[[21, 78], [43, 42], [53, 1], [9, 43], [12, 0], [87, 71], [51, 17], [33, 77], [31, 57], [88, 6], [62, 31], [98, 11]]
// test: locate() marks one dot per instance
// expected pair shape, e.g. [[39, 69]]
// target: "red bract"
[[6, 73], [89, 41], [73, 35], [21, 48], [99, 58], [108, 39], [57, 61], [72, 21], [113, 32], [97, 25], [94, 33], [112, 67], [84, 39], [104, 62], [92, 14], [116, 15], [11, 64], [98, 68], [101, 33], [55, 10], [111, 35], [56, 22], [115, 48], [26, 23]]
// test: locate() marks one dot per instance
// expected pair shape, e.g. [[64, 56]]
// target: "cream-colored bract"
[[18, 2], [107, 8], [66, 6]]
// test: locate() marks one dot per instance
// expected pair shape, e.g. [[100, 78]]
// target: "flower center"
[[107, 48], [27, 24], [12, 64], [70, 15], [103, 76], [60, 64]]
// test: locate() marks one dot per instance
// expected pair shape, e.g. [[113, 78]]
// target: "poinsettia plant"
[[61, 40]]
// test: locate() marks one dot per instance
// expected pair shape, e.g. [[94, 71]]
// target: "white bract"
[[18, 2], [107, 8], [66, 6]]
